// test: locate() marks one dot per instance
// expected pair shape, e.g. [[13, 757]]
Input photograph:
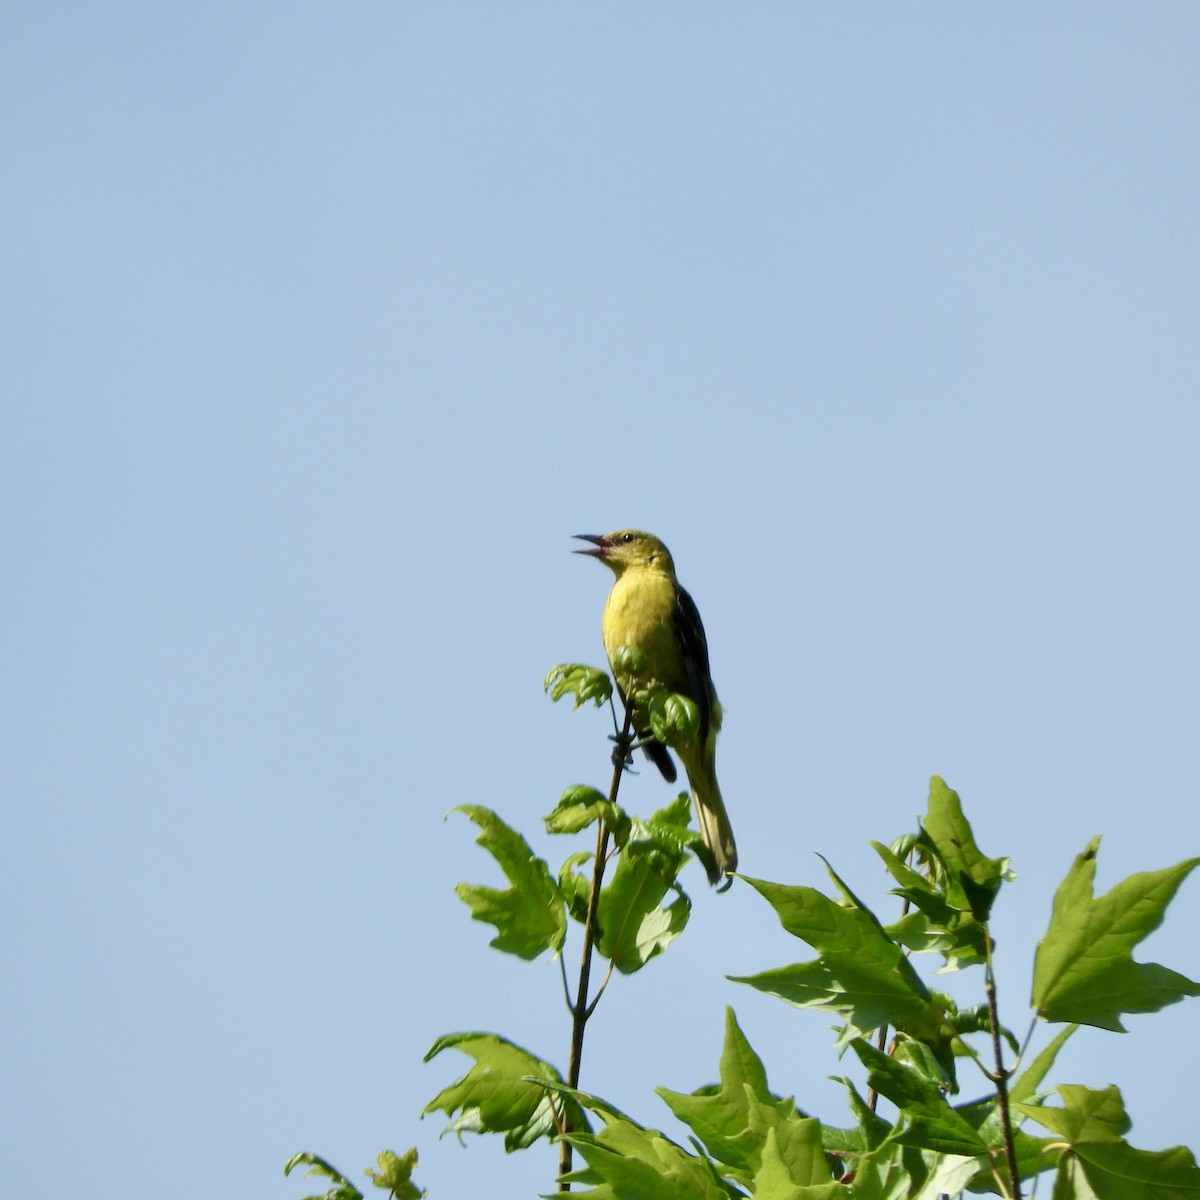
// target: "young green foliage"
[[394, 1175], [1084, 971], [861, 974], [927, 1119], [342, 1188], [634, 923], [746, 1139], [1096, 1161], [758, 1137], [972, 879], [952, 898], [579, 681], [673, 719], [529, 916], [581, 806], [626, 1160], [503, 1092]]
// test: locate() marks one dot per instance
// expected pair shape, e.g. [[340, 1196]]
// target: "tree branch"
[[581, 1010]]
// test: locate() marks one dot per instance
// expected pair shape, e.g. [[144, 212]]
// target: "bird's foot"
[[622, 755]]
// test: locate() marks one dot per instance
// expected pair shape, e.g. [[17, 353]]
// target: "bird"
[[648, 611]]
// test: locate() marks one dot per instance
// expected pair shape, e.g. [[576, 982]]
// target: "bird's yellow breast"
[[640, 613]]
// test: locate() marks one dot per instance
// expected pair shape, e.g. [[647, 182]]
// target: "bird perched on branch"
[[651, 614]]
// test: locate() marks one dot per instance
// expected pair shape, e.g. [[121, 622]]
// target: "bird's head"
[[628, 549]]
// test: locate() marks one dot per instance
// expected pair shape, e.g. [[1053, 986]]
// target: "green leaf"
[[792, 1165], [674, 720], [935, 923], [1118, 1171], [634, 923], [872, 973], [1086, 1115], [1093, 1124], [670, 824], [395, 1174], [922, 1060], [1028, 1082], [583, 682], [574, 887], [929, 1121], [1084, 971], [502, 1093], [627, 1161], [343, 1189], [973, 877], [984, 1117], [630, 661], [579, 806], [899, 1172], [732, 1120], [870, 1131], [806, 985], [529, 916], [977, 1019]]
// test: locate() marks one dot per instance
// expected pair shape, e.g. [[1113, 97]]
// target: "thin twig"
[[1001, 1074], [562, 966], [600, 990], [581, 1010]]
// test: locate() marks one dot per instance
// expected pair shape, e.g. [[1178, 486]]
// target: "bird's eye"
[[627, 538]]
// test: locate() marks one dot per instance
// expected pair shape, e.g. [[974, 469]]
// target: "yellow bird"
[[648, 611]]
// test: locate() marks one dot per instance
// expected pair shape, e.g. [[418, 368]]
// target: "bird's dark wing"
[[693, 646]]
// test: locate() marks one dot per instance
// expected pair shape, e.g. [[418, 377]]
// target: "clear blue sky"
[[324, 326]]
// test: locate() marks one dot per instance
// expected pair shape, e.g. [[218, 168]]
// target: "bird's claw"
[[622, 755]]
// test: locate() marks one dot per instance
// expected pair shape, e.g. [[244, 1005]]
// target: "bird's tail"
[[713, 820]]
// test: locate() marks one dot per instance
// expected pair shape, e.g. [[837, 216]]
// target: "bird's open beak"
[[602, 546]]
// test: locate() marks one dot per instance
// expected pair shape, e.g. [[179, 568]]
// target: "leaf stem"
[[581, 1010]]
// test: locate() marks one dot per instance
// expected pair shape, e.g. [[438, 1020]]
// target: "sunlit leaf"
[[732, 1120], [974, 878], [792, 1165], [574, 887], [635, 925], [1030, 1080], [870, 1128], [1100, 1162], [869, 976], [928, 1120], [500, 1093], [579, 806], [1084, 971], [626, 1160], [1086, 1114], [674, 720], [343, 1189], [395, 1174], [895, 1171], [529, 916], [1119, 1171], [582, 682]]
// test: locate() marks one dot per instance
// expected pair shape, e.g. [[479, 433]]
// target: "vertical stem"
[[580, 1010], [1000, 1077]]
